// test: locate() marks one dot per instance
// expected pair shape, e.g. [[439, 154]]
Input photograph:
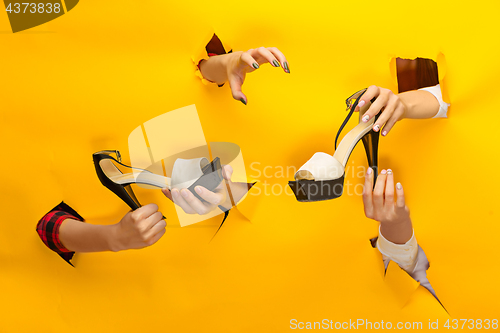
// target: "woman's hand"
[[391, 106], [234, 66], [192, 205], [140, 228], [394, 216]]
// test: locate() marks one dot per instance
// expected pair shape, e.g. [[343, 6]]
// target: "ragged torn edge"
[[214, 47], [234, 204], [439, 59], [49, 242], [418, 274]]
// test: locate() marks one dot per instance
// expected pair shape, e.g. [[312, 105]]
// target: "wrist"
[[408, 104], [114, 238], [214, 69]]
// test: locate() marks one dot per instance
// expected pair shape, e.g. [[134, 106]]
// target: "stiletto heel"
[[322, 177], [123, 191], [370, 141], [185, 174]]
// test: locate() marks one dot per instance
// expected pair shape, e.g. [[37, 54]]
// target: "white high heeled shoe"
[[322, 176]]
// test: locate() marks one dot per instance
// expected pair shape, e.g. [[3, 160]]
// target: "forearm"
[[398, 243], [214, 69], [419, 104], [398, 233], [83, 237]]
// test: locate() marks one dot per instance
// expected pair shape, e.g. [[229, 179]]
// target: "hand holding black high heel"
[[140, 228], [415, 104]]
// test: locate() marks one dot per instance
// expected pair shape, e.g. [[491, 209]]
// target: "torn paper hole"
[[413, 74], [418, 272]]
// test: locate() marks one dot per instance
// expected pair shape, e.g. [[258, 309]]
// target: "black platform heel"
[[120, 184], [322, 177], [370, 141]]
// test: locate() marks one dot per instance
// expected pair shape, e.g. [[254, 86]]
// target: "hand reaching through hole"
[[390, 104], [389, 208], [233, 67], [414, 104]]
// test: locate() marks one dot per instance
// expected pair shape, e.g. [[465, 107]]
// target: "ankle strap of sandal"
[[351, 103]]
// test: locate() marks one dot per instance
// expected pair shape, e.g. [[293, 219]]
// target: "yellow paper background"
[[83, 82]]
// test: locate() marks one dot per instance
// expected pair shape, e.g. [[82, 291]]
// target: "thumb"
[[235, 82]]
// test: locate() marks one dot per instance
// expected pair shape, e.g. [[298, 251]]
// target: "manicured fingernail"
[[376, 128], [164, 189], [242, 100], [369, 171], [287, 69], [389, 171], [365, 118], [384, 133], [361, 103], [255, 65], [276, 63], [398, 186], [198, 190], [184, 193], [383, 172]]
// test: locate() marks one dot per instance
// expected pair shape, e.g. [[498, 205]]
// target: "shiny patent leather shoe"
[[185, 174], [322, 177]]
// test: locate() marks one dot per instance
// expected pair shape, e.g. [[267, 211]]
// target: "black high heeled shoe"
[[119, 183], [322, 177]]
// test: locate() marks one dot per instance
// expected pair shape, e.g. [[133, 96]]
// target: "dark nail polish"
[[276, 63], [243, 101], [255, 65], [286, 67]]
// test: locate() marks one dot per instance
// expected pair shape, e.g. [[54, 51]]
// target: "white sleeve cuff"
[[405, 255], [443, 107]]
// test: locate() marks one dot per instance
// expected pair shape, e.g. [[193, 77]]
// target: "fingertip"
[[361, 103], [286, 68], [369, 171], [198, 189], [154, 206], [399, 187], [242, 100]]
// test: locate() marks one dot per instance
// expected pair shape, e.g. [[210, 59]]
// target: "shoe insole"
[[346, 145], [187, 173]]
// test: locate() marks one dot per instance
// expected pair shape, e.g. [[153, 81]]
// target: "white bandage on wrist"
[[405, 255]]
